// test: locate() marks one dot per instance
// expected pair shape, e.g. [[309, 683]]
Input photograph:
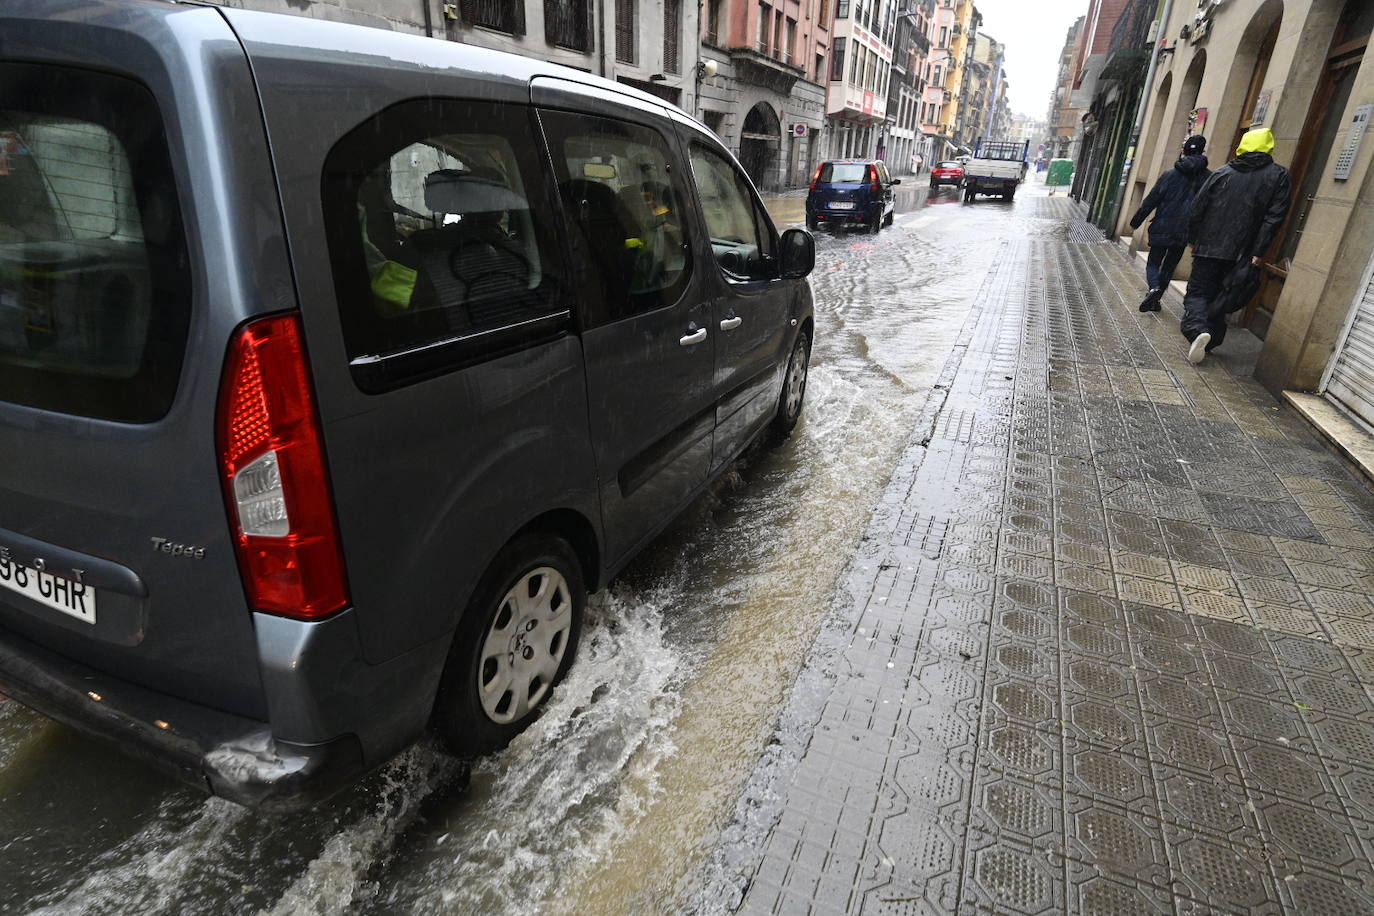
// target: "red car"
[[948, 172]]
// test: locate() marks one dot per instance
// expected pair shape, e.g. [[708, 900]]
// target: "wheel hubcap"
[[796, 379], [525, 645]]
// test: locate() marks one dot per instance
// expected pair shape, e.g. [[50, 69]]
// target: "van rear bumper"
[[213, 751]]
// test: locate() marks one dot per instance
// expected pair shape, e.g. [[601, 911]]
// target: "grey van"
[[337, 367]]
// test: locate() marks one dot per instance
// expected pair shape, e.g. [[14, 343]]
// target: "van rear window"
[[94, 285], [843, 173]]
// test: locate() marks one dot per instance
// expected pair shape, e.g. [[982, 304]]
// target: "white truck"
[[997, 167]]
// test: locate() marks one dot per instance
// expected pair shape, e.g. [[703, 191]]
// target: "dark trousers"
[[1159, 267], [1203, 287]]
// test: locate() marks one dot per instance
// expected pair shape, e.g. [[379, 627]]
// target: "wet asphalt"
[[1029, 615]]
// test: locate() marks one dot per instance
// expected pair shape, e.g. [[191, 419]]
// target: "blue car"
[[851, 192]]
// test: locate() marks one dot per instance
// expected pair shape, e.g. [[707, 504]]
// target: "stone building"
[[1301, 68], [773, 60]]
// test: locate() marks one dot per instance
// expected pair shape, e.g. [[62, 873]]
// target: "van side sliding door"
[[647, 335]]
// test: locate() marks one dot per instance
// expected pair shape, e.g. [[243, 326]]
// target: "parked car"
[[337, 366], [951, 171], [853, 192]]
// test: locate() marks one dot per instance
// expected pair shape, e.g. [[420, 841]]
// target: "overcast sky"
[[1033, 31]]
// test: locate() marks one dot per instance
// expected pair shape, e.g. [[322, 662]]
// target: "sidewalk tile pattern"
[[1116, 656]]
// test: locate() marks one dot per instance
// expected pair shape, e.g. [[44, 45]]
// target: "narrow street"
[[1030, 615]]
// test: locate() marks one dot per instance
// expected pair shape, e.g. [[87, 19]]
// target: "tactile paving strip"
[[1139, 643]]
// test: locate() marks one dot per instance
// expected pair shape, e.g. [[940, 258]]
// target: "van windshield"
[[843, 173], [93, 277]]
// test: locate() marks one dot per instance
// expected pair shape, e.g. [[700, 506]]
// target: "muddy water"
[[613, 799]]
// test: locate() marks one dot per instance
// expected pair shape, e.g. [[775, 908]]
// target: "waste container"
[[1059, 174]]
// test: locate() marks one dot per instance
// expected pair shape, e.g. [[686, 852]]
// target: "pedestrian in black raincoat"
[[1234, 216], [1169, 200]]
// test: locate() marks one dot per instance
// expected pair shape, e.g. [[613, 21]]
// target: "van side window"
[[624, 204], [741, 236], [439, 237]]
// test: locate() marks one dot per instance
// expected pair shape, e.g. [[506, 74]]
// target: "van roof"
[[418, 52], [331, 39]]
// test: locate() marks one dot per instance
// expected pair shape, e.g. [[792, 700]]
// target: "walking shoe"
[[1199, 348], [1151, 303]]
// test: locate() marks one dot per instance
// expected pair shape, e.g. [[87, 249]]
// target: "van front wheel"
[[514, 643], [793, 391]]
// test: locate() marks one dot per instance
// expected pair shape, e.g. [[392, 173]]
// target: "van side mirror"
[[798, 253]]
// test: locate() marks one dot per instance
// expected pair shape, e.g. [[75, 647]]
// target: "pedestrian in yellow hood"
[[1259, 140], [1231, 221]]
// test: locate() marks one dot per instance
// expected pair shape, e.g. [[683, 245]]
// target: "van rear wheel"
[[513, 645]]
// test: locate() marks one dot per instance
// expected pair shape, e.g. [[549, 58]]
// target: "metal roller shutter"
[[1350, 380]]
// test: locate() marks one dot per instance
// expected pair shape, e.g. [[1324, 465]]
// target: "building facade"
[[856, 96], [1064, 116], [1303, 69], [906, 89], [934, 124], [766, 99], [959, 117]]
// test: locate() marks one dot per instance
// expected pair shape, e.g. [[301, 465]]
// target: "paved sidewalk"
[[1111, 644]]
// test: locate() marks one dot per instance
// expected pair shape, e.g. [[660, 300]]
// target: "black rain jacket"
[[1238, 210], [1169, 199]]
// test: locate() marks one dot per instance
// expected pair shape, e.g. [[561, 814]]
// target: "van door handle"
[[729, 324], [693, 338]]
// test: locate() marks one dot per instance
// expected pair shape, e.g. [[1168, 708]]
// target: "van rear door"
[[138, 227]]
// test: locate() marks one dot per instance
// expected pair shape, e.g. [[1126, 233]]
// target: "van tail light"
[[815, 177], [873, 178], [275, 481]]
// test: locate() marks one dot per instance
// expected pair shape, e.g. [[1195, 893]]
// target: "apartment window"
[[936, 79], [625, 31], [777, 35], [823, 15], [841, 9], [820, 68], [568, 24], [791, 33], [944, 36], [765, 20], [672, 28], [494, 14], [713, 22], [837, 61]]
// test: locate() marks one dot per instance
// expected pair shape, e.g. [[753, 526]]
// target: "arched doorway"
[[1325, 116], [759, 144], [1149, 142], [1257, 45], [1187, 102]]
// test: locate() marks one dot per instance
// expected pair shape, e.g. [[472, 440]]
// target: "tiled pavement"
[[1112, 642]]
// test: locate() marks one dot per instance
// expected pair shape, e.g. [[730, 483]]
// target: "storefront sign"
[[1197, 121]]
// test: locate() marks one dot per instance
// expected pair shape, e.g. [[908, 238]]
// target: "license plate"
[[53, 591], [842, 205]]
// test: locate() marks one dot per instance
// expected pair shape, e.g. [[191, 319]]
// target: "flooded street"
[[613, 800]]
